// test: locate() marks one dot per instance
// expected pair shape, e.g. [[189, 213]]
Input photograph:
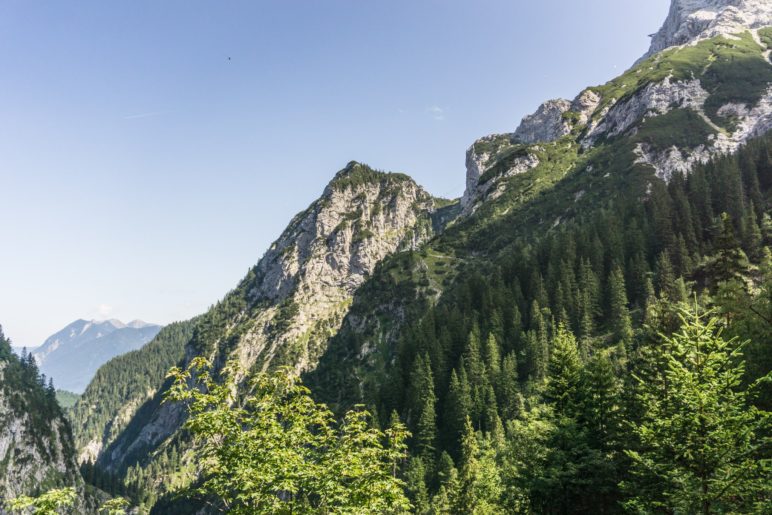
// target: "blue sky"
[[142, 172]]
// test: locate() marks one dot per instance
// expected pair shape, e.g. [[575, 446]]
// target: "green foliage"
[[698, 435], [277, 451], [26, 392], [765, 34], [51, 502], [564, 372], [683, 128], [748, 314], [115, 506], [519, 276], [27, 399], [480, 486], [357, 174], [731, 70], [126, 382], [66, 399]]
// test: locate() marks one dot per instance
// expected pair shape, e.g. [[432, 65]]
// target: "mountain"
[[689, 21], [121, 386], [72, 356], [595, 217], [36, 450], [297, 295]]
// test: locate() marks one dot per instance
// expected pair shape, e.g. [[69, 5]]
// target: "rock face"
[[480, 191], [36, 448], [478, 157], [692, 20], [299, 292], [553, 120], [654, 99], [643, 93], [546, 124], [27, 461], [327, 252]]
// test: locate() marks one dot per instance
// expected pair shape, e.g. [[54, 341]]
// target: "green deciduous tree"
[[49, 503], [277, 451], [116, 506]]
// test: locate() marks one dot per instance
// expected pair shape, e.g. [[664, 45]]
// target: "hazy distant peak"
[[72, 355], [139, 324]]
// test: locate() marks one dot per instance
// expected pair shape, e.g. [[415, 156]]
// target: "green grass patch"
[[680, 127], [731, 70], [765, 35]]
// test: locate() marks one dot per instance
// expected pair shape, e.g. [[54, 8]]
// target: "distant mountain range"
[[72, 355]]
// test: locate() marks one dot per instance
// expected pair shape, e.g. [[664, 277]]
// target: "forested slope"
[[36, 451]]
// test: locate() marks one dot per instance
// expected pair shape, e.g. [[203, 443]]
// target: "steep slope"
[[286, 308], [716, 92], [36, 451], [72, 355], [601, 160], [579, 217], [693, 20], [121, 386]]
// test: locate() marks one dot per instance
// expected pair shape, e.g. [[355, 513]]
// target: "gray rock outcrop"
[[692, 20]]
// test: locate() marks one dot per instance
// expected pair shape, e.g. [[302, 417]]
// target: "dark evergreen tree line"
[[499, 351]]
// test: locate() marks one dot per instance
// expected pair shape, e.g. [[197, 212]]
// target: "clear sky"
[[150, 151]]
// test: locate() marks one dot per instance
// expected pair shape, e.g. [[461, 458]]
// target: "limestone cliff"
[[722, 78], [692, 20]]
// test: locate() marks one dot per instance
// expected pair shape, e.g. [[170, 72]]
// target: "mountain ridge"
[[71, 355], [362, 283]]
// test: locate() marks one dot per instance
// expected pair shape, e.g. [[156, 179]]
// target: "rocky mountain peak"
[[551, 121], [546, 124], [689, 83], [298, 294], [359, 208], [693, 20]]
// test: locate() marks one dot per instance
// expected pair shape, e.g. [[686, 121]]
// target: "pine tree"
[[50, 390], [415, 478], [564, 373], [619, 313], [422, 407], [480, 483], [426, 432], [457, 408], [492, 358], [665, 275], [730, 261], [698, 435], [449, 492], [508, 387], [752, 233]]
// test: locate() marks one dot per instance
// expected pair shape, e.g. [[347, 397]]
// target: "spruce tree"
[[508, 387], [564, 373], [621, 325], [698, 434], [457, 408]]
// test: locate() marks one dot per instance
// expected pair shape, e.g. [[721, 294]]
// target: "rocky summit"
[[690, 21]]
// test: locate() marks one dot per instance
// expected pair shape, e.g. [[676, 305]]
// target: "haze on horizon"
[[150, 152]]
